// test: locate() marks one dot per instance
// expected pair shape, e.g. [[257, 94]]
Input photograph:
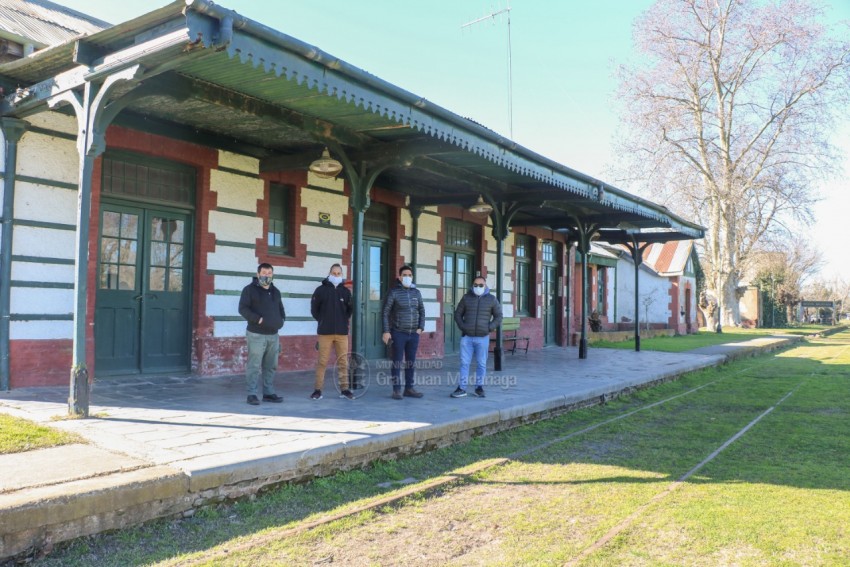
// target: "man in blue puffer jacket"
[[404, 321], [478, 313]]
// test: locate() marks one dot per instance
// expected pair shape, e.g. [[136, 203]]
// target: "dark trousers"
[[404, 347]]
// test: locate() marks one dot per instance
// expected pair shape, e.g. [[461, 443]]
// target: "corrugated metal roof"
[[669, 258], [44, 23], [211, 72]]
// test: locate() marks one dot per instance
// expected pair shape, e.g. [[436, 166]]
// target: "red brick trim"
[[40, 362]]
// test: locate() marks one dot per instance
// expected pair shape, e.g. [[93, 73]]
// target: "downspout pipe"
[[415, 213], [13, 129]]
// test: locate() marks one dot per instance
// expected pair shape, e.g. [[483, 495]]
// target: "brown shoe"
[[396, 395], [411, 393]]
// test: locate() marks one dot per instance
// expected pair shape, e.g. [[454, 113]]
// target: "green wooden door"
[[550, 310], [550, 254], [118, 306], [142, 317], [375, 269], [457, 278]]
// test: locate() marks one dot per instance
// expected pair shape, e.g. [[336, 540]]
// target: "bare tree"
[[783, 266], [727, 117]]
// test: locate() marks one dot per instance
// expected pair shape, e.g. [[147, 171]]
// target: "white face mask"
[[335, 280], [406, 281], [478, 290]]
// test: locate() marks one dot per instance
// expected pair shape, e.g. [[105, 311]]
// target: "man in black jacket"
[[261, 306], [331, 307], [404, 321], [478, 313]]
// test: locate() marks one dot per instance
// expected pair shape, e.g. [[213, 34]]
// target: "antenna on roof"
[[492, 16]]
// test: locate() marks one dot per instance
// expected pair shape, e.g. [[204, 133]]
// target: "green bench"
[[510, 333]]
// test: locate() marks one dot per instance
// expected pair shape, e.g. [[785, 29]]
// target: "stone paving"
[[172, 443], [189, 422]]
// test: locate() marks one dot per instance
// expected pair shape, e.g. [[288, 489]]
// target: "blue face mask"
[[335, 280], [406, 281], [265, 280]]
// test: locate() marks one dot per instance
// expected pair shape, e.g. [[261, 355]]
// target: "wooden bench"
[[510, 333]]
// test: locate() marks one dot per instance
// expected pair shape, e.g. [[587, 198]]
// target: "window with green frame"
[[280, 226], [524, 262], [601, 273]]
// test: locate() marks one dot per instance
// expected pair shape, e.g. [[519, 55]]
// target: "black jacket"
[[478, 316], [331, 307], [403, 309], [258, 303]]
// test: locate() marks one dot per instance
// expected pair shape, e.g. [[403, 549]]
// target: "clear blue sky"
[[563, 56]]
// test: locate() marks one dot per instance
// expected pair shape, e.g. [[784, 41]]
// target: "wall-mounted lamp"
[[326, 166], [682, 311], [481, 207]]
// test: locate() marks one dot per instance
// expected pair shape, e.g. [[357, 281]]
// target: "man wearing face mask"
[[331, 307], [404, 321], [478, 313], [261, 306]]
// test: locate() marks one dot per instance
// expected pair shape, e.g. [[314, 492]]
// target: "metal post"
[[500, 274], [638, 257], [500, 217], [78, 400], [568, 312], [13, 129], [415, 213], [358, 339], [719, 327], [583, 247]]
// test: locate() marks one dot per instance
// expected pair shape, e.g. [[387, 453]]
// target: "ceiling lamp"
[[326, 167], [481, 207]]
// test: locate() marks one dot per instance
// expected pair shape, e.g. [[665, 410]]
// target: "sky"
[[563, 54]]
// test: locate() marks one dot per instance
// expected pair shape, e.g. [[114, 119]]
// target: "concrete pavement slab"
[[209, 444]]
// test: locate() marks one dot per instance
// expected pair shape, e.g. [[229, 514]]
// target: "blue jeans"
[[262, 356], [479, 347], [404, 346]]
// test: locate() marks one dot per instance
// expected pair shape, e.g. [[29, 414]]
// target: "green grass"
[[705, 338], [18, 435], [779, 494]]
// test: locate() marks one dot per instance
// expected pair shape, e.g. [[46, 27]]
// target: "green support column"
[[360, 181], [359, 203], [415, 213], [501, 216], [500, 232], [94, 113], [585, 233], [13, 129], [636, 250]]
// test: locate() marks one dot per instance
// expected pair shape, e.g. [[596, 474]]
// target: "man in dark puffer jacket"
[[478, 313], [331, 306], [261, 306], [404, 321]]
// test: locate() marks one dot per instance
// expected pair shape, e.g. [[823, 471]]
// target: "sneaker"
[[397, 395], [272, 398], [254, 400], [459, 393], [347, 394], [316, 395], [479, 391], [411, 393]]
